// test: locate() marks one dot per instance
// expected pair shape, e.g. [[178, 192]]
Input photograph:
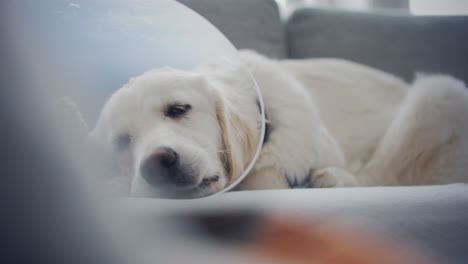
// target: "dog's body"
[[338, 123], [330, 123]]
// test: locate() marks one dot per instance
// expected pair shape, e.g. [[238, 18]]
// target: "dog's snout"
[[163, 168]]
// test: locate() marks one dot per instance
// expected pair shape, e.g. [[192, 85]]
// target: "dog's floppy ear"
[[240, 138], [236, 110]]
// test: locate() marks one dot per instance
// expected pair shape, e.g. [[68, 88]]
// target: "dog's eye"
[[122, 142], [177, 110]]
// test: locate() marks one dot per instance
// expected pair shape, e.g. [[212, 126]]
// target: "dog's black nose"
[[166, 157], [162, 168]]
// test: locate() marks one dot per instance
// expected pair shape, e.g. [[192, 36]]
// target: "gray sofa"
[[395, 42]]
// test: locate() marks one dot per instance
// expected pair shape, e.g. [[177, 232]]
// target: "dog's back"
[[355, 102]]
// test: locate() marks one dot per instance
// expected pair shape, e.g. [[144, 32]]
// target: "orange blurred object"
[[284, 240]]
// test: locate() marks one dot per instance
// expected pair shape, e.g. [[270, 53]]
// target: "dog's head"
[[181, 133]]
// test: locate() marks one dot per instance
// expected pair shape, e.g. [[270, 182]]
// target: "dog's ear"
[[72, 119], [240, 138], [237, 111]]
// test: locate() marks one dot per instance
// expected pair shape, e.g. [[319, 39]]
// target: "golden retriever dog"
[[330, 123]]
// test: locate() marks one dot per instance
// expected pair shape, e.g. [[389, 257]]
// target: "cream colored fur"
[[337, 123]]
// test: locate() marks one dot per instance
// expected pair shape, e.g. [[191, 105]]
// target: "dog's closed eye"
[[177, 110], [122, 142]]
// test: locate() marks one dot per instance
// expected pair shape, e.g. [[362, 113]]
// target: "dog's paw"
[[332, 177]]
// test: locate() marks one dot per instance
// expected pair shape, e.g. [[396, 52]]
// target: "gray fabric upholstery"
[[248, 24], [433, 218], [400, 44]]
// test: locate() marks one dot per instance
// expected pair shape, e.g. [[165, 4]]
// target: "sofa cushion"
[[249, 24], [432, 218], [400, 44]]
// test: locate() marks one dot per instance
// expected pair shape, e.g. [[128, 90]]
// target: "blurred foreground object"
[[325, 242]]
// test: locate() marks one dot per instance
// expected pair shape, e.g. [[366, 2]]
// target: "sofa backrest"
[[400, 44]]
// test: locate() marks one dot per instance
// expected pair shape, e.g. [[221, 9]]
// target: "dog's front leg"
[[332, 177], [264, 178]]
